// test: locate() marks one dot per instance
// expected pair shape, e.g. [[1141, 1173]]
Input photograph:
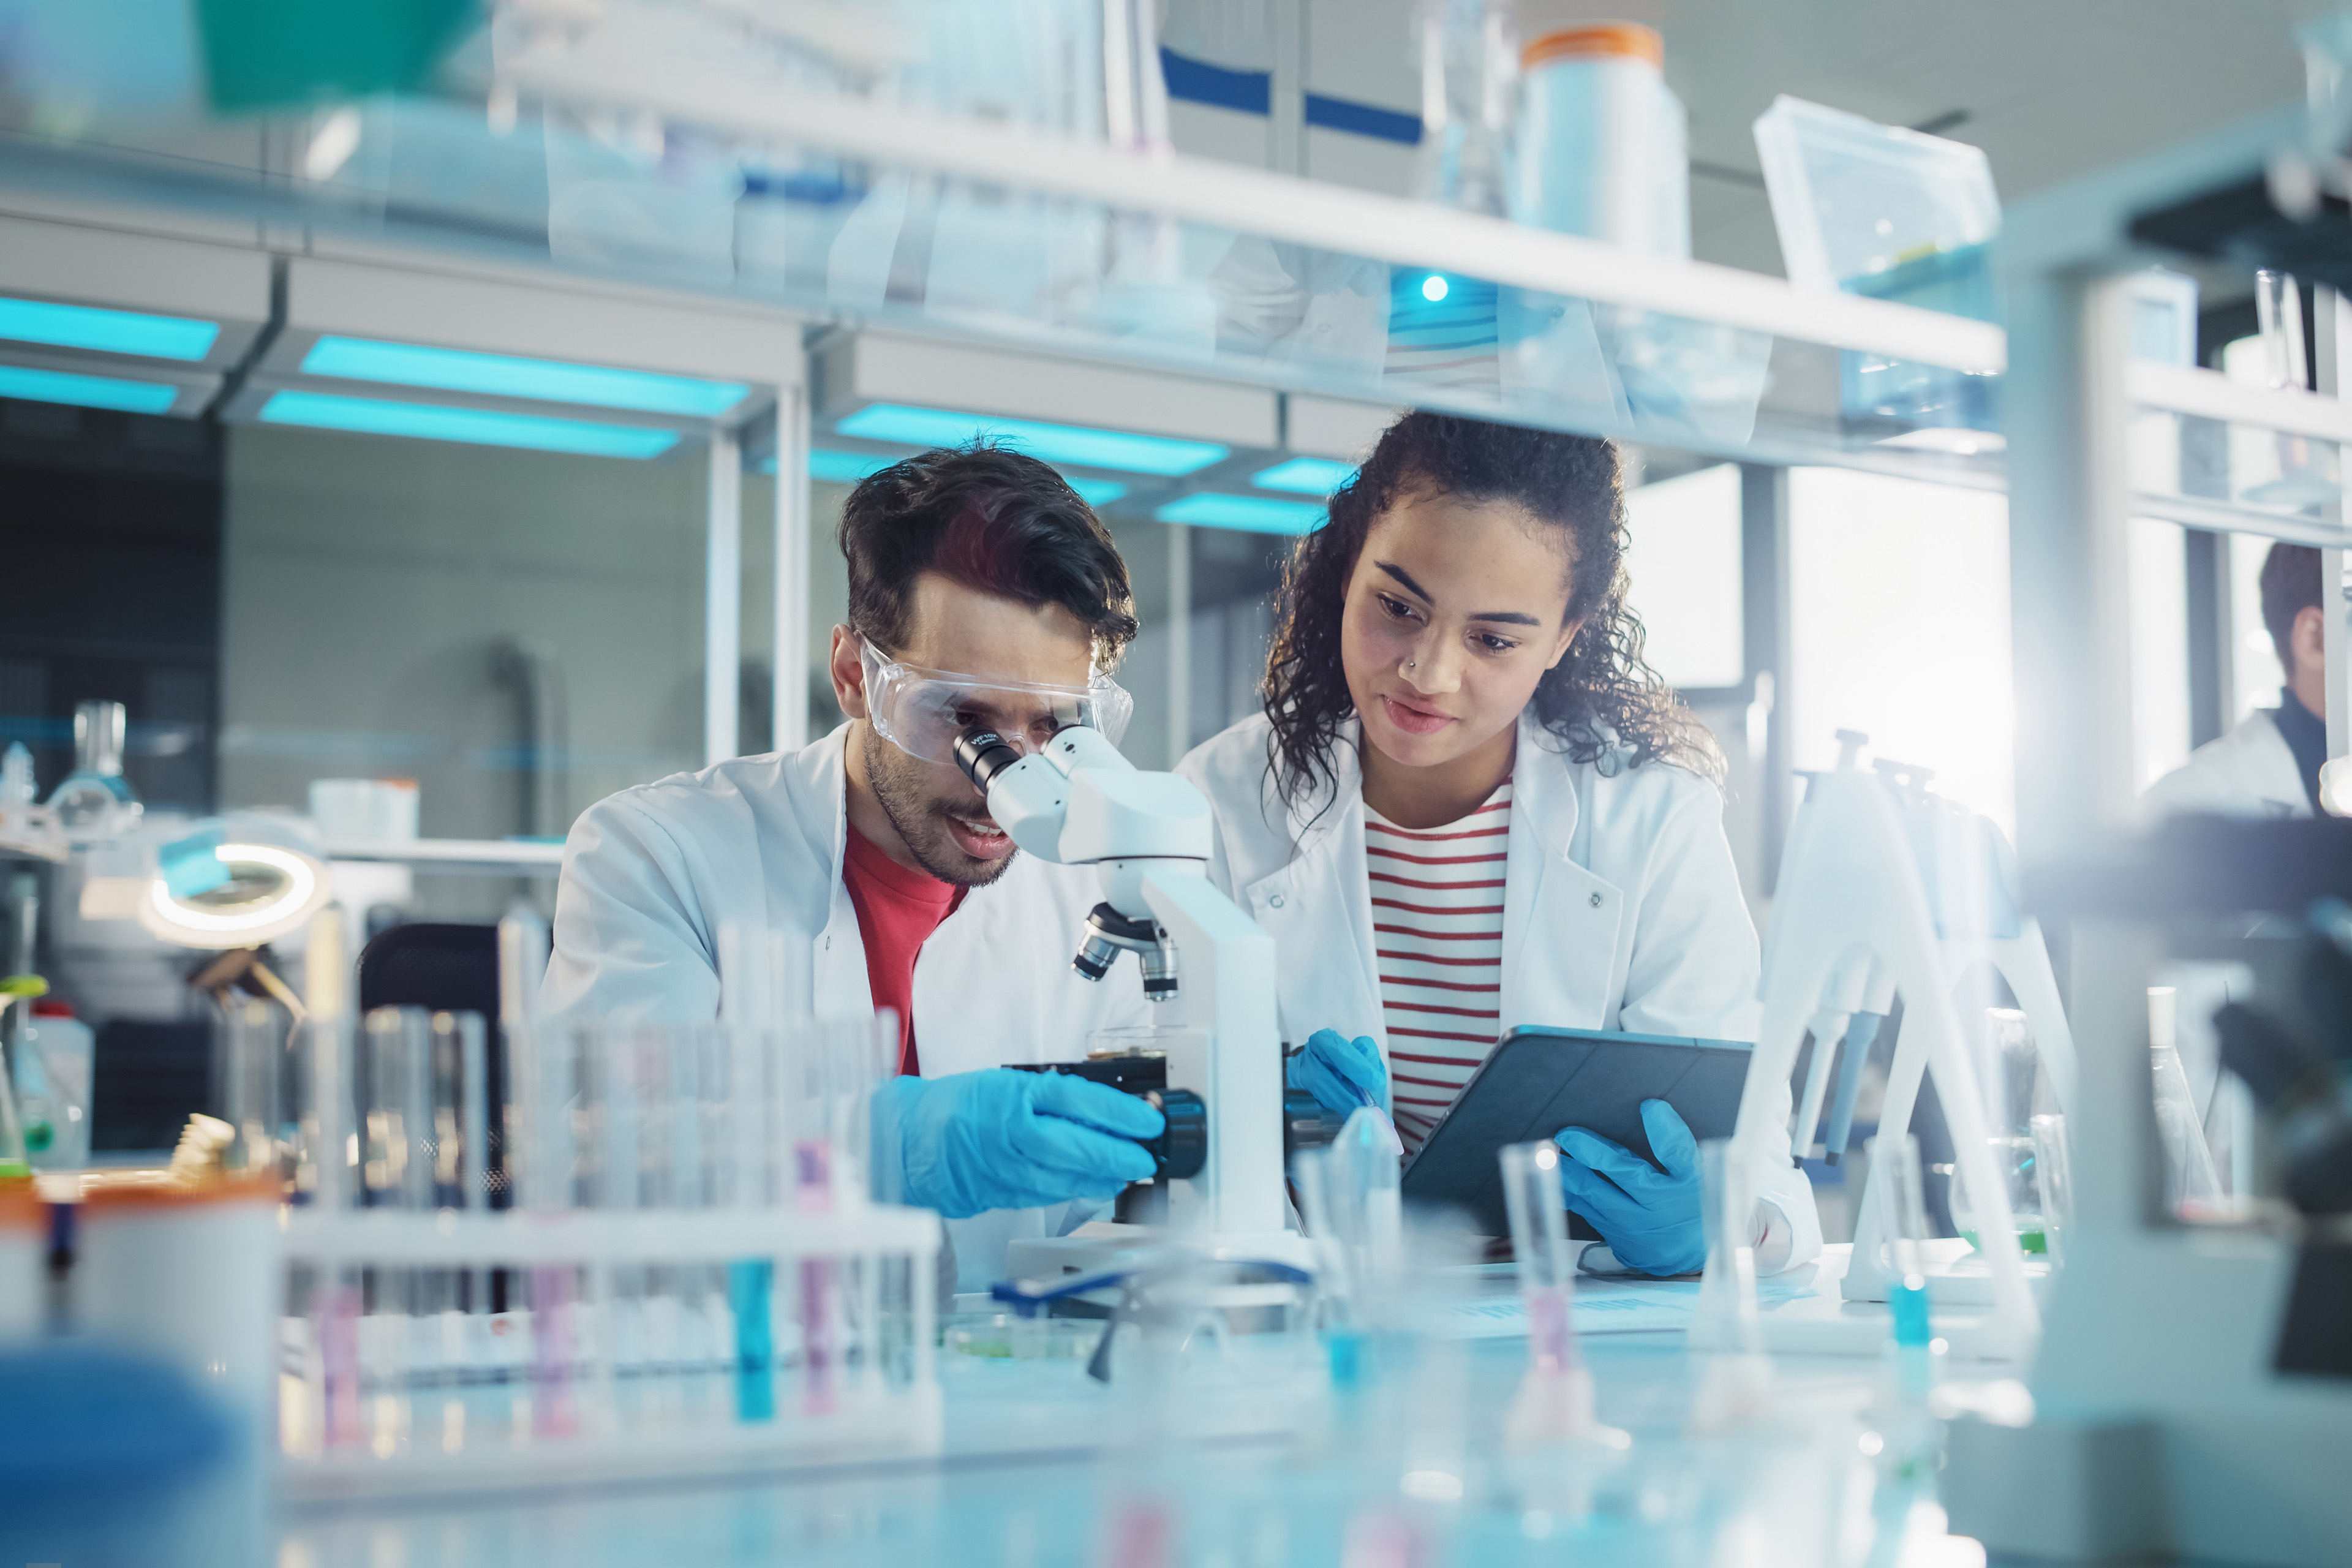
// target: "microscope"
[[1206, 967]]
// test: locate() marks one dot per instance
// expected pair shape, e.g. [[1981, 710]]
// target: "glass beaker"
[[2009, 1083], [95, 801]]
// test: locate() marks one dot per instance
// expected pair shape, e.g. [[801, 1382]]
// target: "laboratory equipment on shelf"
[[2193, 1390], [1205, 966], [1602, 148], [1852, 925], [26, 826], [95, 802], [1890, 214], [1469, 73], [55, 1057], [233, 881]]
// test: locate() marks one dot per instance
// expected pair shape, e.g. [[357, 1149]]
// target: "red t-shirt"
[[897, 910]]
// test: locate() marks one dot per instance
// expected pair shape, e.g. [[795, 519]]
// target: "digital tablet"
[[1540, 1080]]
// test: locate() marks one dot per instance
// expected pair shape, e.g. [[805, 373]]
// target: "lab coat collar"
[[839, 959], [1320, 812], [1543, 796]]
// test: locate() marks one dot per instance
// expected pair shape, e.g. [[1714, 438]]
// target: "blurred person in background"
[[2269, 765]]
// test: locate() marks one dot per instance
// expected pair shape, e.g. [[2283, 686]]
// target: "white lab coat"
[[2250, 772], [1621, 909], [651, 874]]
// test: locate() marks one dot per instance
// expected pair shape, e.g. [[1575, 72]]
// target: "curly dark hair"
[[990, 518], [1606, 706]]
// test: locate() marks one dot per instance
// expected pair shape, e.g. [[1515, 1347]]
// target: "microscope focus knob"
[[1183, 1149]]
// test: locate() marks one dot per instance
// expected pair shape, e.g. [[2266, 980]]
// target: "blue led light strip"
[[87, 391], [1303, 476], [1251, 515], [507, 375], [108, 331], [478, 426], [1075, 445]]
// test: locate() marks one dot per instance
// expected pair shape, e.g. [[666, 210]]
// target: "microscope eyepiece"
[[982, 755]]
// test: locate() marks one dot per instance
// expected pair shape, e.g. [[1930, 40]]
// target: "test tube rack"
[[634, 1344]]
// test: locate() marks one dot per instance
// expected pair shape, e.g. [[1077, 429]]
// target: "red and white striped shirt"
[[1437, 926]]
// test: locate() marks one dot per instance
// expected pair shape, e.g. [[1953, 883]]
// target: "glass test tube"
[[1902, 1221], [1736, 1386], [1555, 1397], [2053, 1171], [323, 1172], [252, 1057], [555, 1092], [750, 1281], [815, 1073]]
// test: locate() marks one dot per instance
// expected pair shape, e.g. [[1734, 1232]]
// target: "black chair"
[[446, 967]]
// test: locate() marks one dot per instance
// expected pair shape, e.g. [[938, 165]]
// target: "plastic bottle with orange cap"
[[1602, 140]]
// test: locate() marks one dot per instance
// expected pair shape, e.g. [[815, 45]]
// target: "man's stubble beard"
[[898, 782]]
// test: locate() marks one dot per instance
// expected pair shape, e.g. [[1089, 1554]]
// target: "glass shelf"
[[920, 251], [607, 152]]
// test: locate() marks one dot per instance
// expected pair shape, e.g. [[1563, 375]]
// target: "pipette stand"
[[1851, 903], [2024, 963]]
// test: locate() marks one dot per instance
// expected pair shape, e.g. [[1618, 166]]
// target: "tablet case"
[[1540, 1080]]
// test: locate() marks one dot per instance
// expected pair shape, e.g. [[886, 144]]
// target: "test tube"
[[323, 1172], [1900, 1410], [1555, 1398], [252, 1057], [1735, 1385], [1902, 1221], [397, 1172], [2054, 1172], [810, 1066], [550, 1095]]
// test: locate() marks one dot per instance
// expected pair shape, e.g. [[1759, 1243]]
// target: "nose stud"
[[1412, 664]]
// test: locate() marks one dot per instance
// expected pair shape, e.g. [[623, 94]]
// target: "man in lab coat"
[[2269, 765], [981, 587], [2266, 766]]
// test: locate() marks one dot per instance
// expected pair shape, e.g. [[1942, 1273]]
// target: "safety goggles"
[[921, 712]]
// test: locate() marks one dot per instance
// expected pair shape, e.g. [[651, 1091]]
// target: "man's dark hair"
[[2290, 586], [989, 518]]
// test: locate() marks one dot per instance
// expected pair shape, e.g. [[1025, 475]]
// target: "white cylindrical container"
[[1591, 141], [24, 1246], [192, 1275]]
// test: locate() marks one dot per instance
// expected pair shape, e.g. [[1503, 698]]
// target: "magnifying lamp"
[[227, 886]]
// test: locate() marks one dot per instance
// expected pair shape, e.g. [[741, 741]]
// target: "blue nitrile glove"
[[1651, 1219], [1340, 1073], [1004, 1139]]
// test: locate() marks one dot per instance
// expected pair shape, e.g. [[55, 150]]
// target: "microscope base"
[[1100, 1245]]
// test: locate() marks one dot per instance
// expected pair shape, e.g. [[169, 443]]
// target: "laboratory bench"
[[1040, 1464]]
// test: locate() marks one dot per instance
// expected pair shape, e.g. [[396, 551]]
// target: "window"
[[1685, 566], [1899, 628]]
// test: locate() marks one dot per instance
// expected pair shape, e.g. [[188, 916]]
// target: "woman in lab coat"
[[1454, 653]]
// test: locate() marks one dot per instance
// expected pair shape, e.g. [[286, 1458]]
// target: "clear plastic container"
[[1892, 213], [53, 1081], [1469, 67]]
